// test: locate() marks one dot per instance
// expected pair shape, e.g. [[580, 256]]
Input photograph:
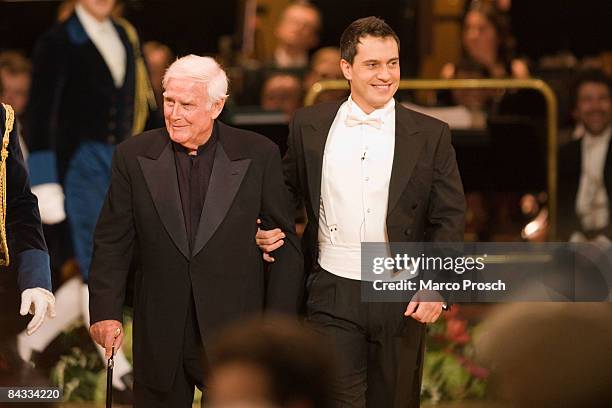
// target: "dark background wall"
[[185, 25], [541, 26]]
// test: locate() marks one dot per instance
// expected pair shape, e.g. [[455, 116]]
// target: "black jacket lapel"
[[408, 146], [607, 170], [225, 180], [160, 173], [90, 52], [314, 137]]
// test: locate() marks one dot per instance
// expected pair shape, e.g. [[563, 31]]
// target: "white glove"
[[50, 202], [39, 302]]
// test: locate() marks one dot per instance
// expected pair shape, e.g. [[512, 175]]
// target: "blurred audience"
[[15, 79], [296, 34], [325, 64], [468, 108], [269, 364], [282, 92], [549, 354], [487, 40], [473, 99], [585, 164], [15, 75], [158, 58], [66, 8]]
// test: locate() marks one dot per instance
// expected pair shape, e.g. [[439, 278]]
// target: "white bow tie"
[[352, 121]]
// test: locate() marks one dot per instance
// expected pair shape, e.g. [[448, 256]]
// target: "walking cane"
[[109, 374], [109, 379]]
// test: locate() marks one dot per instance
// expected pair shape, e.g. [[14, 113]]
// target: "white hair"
[[200, 69]]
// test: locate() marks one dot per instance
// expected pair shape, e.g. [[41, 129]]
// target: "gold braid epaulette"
[[143, 95], [8, 128]]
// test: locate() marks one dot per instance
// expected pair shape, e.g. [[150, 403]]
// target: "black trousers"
[[11, 322], [189, 374], [380, 351]]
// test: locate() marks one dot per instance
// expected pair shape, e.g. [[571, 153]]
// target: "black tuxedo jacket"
[[142, 217], [570, 170], [426, 200]]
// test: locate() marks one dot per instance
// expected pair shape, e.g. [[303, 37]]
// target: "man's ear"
[[218, 107], [347, 69]]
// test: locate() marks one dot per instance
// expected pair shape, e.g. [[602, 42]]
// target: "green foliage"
[[449, 374], [80, 372]]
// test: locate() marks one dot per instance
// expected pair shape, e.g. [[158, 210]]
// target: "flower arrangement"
[[449, 372]]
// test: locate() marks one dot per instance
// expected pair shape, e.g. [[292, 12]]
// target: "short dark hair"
[[15, 63], [367, 26], [591, 75], [501, 24], [299, 364], [306, 4]]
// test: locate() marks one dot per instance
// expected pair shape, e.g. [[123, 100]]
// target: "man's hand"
[[39, 302], [269, 241], [108, 334], [424, 311]]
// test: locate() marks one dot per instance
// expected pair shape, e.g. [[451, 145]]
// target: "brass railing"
[[434, 84]]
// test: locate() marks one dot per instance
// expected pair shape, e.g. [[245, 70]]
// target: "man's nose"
[[175, 114], [384, 74]]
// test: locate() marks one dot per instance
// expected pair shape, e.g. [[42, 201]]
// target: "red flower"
[[456, 331], [474, 369]]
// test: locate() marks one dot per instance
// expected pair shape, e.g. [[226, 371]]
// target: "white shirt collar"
[[381, 113], [602, 139], [90, 23], [284, 60]]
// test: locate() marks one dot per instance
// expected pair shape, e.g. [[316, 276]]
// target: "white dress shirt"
[[106, 39], [592, 198], [357, 164], [283, 60]]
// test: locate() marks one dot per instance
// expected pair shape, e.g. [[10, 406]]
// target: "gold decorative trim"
[[8, 128], [143, 95]]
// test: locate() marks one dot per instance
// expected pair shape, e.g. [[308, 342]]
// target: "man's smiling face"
[[593, 107], [374, 73], [188, 113]]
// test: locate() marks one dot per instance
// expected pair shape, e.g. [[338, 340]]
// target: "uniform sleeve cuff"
[[33, 269], [43, 167]]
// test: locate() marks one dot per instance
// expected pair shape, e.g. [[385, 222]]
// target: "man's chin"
[[177, 138], [597, 130], [380, 102]]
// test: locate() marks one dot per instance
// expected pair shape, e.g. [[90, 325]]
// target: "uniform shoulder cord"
[[8, 128]]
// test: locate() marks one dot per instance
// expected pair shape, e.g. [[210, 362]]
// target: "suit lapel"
[[314, 137], [160, 174], [129, 55], [79, 36], [225, 180], [607, 169], [408, 145]]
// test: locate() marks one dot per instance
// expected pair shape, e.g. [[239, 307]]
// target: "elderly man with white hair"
[[182, 208]]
